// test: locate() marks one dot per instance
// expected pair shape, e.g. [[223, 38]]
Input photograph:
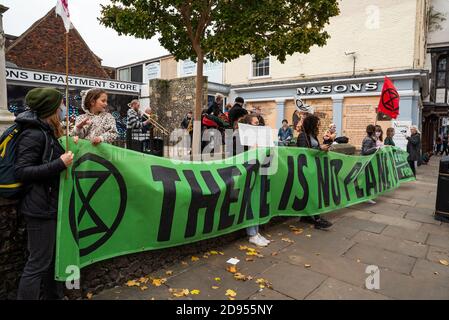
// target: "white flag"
[[62, 9]]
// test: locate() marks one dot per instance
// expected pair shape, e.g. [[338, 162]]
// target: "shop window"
[[137, 73], [124, 75], [261, 68]]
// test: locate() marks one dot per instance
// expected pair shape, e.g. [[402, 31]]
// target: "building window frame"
[[253, 70], [444, 70]]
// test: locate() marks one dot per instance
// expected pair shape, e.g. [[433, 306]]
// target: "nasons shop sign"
[[59, 80], [339, 88]]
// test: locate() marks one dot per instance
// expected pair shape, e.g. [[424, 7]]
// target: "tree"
[[222, 30]]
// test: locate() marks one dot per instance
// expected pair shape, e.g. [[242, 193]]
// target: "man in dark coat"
[[237, 110]]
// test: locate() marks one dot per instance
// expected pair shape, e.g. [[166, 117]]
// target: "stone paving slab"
[[406, 234], [439, 240], [269, 294], [360, 224], [431, 271], [298, 286], [382, 258], [333, 289], [394, 221], [434, 229], [435, 254], [340, 268], [405, 247], [399, 286], [420, 217]]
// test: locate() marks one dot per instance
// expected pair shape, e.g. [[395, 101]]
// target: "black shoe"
[[321, 223], [307, 219]]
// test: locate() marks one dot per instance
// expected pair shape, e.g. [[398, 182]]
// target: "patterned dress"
[[102, 125]]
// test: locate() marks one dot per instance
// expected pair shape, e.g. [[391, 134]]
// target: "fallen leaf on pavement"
[[132, 283], [195, 258], [231, 269], [184, 263], [249, 259], [143, 280], [143, 288], [215, 287], [89, 295], [444, 262], [195, 291], [169, 272], [179, 292], [308, 235], [242, 277], [158, 282], [307, 265], [274, 254], [287, 240], [217, 279], [263, 283], [213, 252], [230, 293]]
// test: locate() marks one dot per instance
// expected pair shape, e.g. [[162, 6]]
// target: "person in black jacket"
[[369, 142], [216, 107], [308, 138], [39, 161], [414, 148], [237, 111]]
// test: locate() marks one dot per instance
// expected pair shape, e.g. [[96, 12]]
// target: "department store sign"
[[338, 88], [13, 74]]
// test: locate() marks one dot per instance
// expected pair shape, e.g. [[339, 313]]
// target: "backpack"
[[10, 187]]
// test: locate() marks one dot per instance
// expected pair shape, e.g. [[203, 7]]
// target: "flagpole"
[[67, 102]]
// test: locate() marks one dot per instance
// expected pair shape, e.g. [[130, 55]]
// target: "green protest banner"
[[117, 201]]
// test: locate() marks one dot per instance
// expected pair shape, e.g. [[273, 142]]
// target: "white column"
[[6, 118]]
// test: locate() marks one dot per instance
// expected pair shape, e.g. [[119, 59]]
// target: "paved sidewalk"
[[398, 234]]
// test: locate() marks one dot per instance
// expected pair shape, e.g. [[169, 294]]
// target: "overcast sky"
[[113, 49]]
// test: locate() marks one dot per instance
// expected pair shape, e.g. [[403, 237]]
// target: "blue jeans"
[[252, 231]]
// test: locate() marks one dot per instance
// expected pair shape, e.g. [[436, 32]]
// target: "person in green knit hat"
[[40, 159]]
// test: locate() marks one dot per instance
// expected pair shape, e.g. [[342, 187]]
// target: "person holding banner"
[[308, 138], [96, 124], [379, 133], [414, 148], [40, 159], [252, 232], [389, 139], [369, 144]]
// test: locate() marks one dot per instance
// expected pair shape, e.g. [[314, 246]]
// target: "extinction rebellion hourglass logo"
[[94, 222]]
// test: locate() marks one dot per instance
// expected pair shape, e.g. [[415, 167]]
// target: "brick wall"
[[42, 47]]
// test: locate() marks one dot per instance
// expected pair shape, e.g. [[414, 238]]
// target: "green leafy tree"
[[222, 30]]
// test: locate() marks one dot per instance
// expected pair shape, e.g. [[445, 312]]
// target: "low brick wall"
[[99, 276]]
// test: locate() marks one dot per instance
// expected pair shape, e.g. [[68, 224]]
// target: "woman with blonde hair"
[[414, 148], [96, 124], [40, 159]]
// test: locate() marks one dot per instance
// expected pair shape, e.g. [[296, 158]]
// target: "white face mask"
[[378, 134]]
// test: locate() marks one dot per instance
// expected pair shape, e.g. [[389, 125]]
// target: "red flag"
[[389, 100]]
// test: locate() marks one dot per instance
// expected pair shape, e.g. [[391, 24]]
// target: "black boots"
[[317, 221]]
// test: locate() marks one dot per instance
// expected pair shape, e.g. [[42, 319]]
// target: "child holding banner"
[[96, 124], [253, 232]]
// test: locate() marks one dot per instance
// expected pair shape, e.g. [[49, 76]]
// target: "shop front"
[[350, 103], [20, 81]]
